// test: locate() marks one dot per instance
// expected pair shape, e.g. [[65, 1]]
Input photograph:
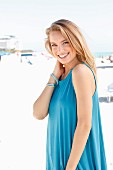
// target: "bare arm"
[[82, 81], [41, 105]]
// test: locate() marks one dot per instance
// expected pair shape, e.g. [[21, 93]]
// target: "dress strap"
[[92, 72], [73, 67]]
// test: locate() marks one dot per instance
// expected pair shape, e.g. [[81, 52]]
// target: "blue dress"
[[62, 122]]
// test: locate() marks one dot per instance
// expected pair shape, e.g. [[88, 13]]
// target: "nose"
[[60, 50]]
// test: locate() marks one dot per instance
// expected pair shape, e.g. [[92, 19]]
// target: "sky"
[[28, 19]]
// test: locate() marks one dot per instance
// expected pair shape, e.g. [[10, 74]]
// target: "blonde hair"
[[73, 34]]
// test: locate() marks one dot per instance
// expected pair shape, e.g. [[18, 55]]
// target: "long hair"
[[74, 36]]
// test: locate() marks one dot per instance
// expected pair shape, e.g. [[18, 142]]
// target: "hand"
[[58, 70]]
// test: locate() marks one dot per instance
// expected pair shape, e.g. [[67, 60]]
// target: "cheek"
[[73, 52], [54, 51]]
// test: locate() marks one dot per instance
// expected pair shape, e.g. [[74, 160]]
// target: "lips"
[[63, 56]]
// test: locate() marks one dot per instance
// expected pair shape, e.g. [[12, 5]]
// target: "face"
[[61, 48]]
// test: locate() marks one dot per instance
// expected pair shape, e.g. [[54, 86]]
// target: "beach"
[[22, 137]]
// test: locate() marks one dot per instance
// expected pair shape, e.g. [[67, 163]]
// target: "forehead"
[[56, 36]]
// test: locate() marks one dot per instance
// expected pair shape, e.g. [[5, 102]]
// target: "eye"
[[65, 42], [53, 45]]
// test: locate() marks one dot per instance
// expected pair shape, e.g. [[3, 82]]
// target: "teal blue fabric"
[[62, 122]]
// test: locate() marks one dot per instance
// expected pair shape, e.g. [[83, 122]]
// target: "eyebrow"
[[55, 43]]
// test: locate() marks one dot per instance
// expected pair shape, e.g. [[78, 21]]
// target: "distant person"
[[70, 99], [111, 59]]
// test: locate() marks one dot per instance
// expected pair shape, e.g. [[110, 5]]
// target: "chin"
[[63, 62]]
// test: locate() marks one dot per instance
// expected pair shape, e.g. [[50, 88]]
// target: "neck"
[[69, 66]]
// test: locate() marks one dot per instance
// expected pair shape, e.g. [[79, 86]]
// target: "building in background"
[[10, 42]]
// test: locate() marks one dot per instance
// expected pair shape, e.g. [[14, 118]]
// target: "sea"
[[102, 54]]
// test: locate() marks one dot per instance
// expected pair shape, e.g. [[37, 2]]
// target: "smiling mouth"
[[63, 56]]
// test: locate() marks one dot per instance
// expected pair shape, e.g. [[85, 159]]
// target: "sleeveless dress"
[[62, 122]]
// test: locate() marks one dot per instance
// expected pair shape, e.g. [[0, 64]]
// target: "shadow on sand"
[[103, 67], [105, 100]]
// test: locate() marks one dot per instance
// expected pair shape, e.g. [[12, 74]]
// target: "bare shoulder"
[[81, 71], [83, 79]]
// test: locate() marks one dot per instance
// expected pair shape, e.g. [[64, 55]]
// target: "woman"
[[74, 134]]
